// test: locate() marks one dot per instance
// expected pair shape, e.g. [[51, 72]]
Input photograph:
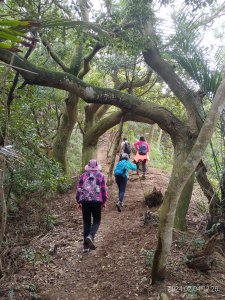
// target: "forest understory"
[[51, 266]]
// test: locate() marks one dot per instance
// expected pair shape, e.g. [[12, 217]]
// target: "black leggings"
[[89, 210], [143, 165], [121, 183]]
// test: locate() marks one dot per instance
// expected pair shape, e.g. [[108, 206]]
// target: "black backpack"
[[127, 148]]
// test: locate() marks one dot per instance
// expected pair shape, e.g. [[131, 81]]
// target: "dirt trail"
[[116, 269], [120, 266]]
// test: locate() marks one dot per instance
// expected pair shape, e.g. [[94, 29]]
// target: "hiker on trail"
[[141, 156], [121, 175], [91, 198], [125, 147]]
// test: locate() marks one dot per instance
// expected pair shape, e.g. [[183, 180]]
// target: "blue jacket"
[[124, 166]]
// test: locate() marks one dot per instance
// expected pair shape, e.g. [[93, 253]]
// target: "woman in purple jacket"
[[91, 197]]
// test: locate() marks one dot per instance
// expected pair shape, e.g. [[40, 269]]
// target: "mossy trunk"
[[209, 192], [89, 149], [159, 138], [88, 152], [3, 207], [167, 212], [69, 116], [178, 180], [166, 216], [68, 121], [116, 146], [181, 152], [183, 205]]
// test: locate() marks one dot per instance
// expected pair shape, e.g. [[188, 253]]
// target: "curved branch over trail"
[[91, 94], [108, 122]]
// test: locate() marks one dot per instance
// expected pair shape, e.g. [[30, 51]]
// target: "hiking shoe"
[[119, 206], [143, 176], [90, 242], [86, 250]]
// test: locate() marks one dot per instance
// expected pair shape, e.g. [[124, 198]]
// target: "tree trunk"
[[90, 140], [3, 208], [88, 152], [159, 138], [64, 132], [177, 182], [111, 142], [208, 190], [183, 205], [222, 187], [116, 146], [181, 152], [69, 117], [151, 135], [168, 209], [3, 201]]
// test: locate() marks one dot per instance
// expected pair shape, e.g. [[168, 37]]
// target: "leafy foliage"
[[51, 221], [198, 242], [186, 52], [196, 4], [38, 175], [34, 256], [161, 158], [149, 258], [11, 33]]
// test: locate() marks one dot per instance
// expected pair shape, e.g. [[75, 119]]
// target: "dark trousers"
[[91, 210], [121, 183], [143, 165]]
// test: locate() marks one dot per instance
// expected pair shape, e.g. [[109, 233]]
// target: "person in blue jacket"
[[121, 176]]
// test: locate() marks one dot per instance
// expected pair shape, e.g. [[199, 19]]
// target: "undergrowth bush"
[[36, 177], [160, 158]]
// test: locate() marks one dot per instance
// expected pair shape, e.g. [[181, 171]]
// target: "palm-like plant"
[[12, 34], [204, 72], [184, 48]]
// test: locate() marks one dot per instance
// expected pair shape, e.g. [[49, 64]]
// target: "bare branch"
[[66, 11], [87, 59], [80, 126], [16, 78], [101, 111], [54, 55], [140, 83]]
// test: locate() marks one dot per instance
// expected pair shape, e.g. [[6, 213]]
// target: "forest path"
[[116, 270], [120, 266]]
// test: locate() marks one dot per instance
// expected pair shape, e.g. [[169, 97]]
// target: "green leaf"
[[5, 46], [13, 32], [14, 23], [10, 37]]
